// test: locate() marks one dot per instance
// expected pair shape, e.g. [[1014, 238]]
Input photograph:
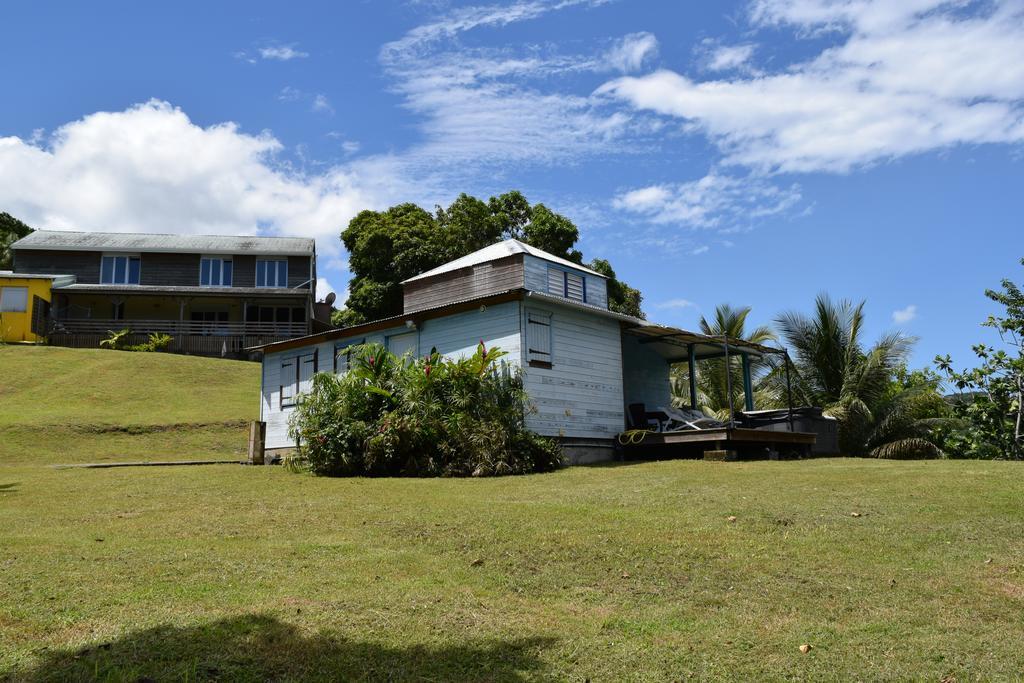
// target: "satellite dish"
[[329, 299]]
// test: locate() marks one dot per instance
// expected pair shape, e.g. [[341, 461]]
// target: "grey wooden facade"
[[170, 296]]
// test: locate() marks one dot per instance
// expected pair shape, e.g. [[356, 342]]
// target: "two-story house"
[[214, 294], [587, 369]]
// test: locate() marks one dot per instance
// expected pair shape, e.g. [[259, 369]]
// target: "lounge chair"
[[682, 420]]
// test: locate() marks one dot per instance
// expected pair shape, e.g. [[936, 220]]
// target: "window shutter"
[[556, 282], [289, 376], [574, 286], [307, 368], [538, 338]]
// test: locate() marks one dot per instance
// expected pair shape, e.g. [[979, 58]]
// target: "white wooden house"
[[582, 364]]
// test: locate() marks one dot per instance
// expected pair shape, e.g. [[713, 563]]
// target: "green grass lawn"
[[630, 572]]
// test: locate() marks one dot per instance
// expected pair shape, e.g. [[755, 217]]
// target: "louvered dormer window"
[[564, 283]]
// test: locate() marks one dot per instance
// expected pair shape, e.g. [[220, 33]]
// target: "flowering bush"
[[432, 416]]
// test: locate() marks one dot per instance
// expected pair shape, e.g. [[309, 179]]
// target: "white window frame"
[[262, 263], [7, 304], [128, 258], [220, 272]]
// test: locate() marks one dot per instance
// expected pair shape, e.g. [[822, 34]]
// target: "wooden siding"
[[581, 394], [453, 336], [645, 375], [536, 278], [466, 283], [158, 270], [85, 265]]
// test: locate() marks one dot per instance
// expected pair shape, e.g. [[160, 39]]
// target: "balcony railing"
[[179, 327]]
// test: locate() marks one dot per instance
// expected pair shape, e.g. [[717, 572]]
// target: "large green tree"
[[837, 370], [11, 230], [386, 247]]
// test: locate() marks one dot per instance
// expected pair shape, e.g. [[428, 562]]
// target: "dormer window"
[[272, 273], [215, 272], [566, 284], [120, 269]]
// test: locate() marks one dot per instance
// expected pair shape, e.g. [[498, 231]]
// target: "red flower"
[[371, 361], [427, 370]]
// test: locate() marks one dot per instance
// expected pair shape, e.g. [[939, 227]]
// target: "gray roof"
[[63, 240], [59, 280], [496, 251]]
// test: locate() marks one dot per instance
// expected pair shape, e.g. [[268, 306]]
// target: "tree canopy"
[[386, 247], [11, 230]]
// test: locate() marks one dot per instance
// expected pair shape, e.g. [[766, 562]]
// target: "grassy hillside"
[[76, 405], [629, 572]]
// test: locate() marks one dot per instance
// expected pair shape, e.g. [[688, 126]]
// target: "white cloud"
[[150, 169], [901, 78], [904, 315], [322, 104], [350, 146], [324, 287], [716, 200], [630, 53], [700, 250], [727, 57], [281, 53], [289, 94], [675, 304]]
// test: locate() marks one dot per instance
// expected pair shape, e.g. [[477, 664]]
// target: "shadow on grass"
[[9, 488], [263, 648]]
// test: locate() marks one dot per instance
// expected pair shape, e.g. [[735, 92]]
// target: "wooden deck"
[[732, 442]]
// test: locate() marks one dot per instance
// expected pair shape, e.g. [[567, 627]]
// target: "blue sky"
[[754, 153]]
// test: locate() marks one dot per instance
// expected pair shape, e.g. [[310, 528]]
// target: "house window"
[[120, 270], [215, 272], [401, 344], [297, 376], [569, 285], [538, 339], [117, 312], [14, 300], [271, 273], [343, 356]]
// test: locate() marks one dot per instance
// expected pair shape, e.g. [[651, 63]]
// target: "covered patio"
[[649, 351]]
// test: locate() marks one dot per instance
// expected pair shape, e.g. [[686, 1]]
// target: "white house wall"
[[645, 375], [581, 394], [453, 336]]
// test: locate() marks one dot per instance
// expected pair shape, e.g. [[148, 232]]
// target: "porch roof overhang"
[[676, 345], [151, 290]]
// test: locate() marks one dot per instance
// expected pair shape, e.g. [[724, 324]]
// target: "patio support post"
[[692, 362], [728, 382], [748, 384], [789, 393]]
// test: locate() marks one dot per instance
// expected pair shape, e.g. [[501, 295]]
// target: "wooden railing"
[[179, 327]]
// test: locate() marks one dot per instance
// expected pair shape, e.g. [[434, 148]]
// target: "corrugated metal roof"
[[497, 251], [145, 242], [59, 280]]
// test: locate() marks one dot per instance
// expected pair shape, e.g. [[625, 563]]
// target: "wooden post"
[[748, 385], [257, 441], [693, 379], [789, 393], [728, 381]]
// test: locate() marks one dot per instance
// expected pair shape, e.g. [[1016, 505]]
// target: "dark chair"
[[640, 418]]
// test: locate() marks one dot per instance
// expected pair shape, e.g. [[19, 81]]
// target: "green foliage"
[[116, 339], [11, 230], [712, 381], [990, 397], [390, 416], [386, 247], [157, 342], [854, 383]]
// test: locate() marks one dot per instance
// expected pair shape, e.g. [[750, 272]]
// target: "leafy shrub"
[[432, 416], [116, 340]]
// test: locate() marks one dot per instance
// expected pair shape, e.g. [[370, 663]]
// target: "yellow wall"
[[17, 327]]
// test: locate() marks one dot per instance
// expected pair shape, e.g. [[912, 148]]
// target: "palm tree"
[[835, 370], [712, 384]]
